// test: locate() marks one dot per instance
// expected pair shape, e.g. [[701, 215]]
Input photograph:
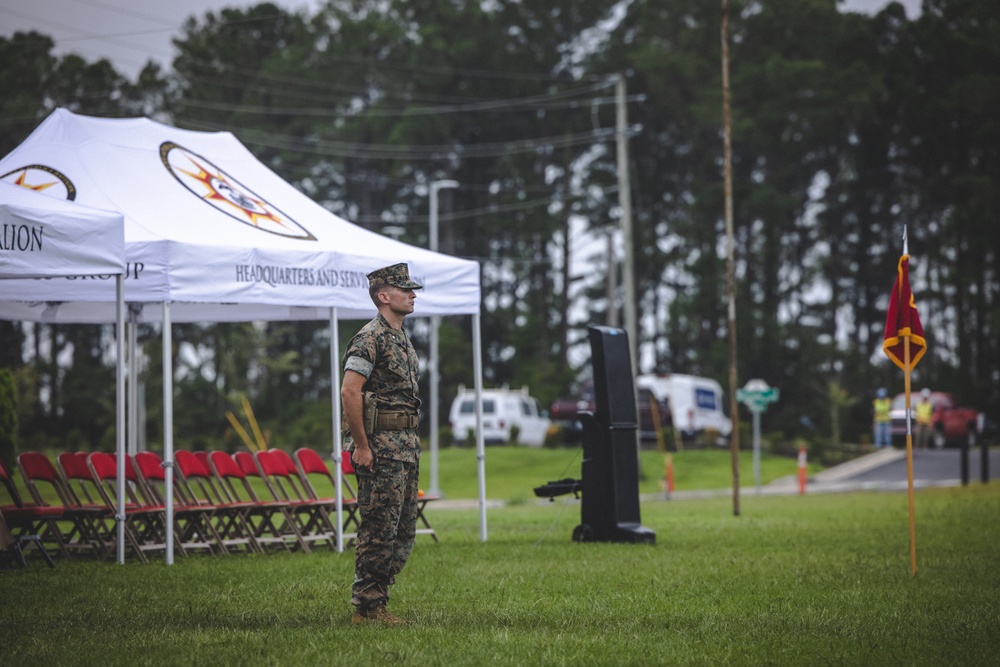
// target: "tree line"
[[846, 127]]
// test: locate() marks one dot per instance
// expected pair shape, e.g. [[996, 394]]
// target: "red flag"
[[903, 321]]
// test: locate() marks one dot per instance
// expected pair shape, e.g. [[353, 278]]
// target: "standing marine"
[[381, 409]]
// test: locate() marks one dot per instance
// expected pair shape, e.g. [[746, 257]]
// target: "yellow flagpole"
[[909, 456]]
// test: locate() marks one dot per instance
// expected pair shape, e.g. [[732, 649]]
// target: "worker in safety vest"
[[880, 409], [924, 412]]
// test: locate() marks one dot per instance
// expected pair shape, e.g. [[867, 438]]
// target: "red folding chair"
[[280, 476], [321, 484], [145, 525], [348, 469], [193, 522], [83, 491], [26, 521], [79, 532], [271, 521], [73, 468], [231, 519]]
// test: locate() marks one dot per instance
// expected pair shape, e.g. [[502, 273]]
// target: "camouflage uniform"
[[387, 496]]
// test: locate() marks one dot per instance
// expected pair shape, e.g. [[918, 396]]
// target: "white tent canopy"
[[212, 230], [41, 237], [45, 238], [211, 234]]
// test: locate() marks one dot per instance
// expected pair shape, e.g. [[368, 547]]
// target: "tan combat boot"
[[377, 614]]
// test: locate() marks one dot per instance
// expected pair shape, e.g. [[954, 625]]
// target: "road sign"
[[756, 395]]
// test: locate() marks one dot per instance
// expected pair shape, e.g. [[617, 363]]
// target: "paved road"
[[931, 466], [886, 470]]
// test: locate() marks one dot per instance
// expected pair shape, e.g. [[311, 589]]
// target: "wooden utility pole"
[[734, 435]]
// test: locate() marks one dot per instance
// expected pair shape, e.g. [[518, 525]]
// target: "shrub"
[[8, 418], [746, 435], [554, 437]]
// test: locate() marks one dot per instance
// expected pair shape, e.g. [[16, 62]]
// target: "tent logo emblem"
[[226, 194], [40, 178]]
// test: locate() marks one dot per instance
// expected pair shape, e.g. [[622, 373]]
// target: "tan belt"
[[390, 420]]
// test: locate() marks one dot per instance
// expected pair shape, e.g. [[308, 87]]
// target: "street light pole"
[[435, 323]]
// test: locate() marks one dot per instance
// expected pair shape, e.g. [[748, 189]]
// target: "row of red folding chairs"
[[216, 507], [22, 522]]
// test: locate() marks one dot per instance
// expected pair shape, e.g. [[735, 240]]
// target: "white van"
[[502, 409], [696, 403]]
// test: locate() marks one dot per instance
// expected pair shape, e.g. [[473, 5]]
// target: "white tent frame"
[[196, 304], [337, 450], [127, 335], [46, 209]]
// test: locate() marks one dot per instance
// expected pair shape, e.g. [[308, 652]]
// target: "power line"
[[114, 38], [550, 101], [77, 36], [373, 112], [300, 89], [489, 188], [457, 215], [333, 148], [127, 11], [465, 214], [448, 70], [74, 30]]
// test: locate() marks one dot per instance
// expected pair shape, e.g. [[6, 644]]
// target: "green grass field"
[[512, 472], [795, 580]]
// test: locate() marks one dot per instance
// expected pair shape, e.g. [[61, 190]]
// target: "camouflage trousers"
[[387, 503]]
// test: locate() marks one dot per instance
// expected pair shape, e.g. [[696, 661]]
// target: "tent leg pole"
[[120, 426], [133, 385], [168, 427], [477, 366], [335, 400], [435, 404]]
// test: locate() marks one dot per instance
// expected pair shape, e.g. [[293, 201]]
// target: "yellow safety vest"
[[924, 410], [882, 406]]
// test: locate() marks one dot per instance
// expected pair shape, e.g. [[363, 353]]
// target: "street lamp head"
[[445, 183], [435, 186]]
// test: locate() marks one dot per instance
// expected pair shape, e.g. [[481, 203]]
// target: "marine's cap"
[[397, 275]]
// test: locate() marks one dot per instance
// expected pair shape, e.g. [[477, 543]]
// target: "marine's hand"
[[363, 458]]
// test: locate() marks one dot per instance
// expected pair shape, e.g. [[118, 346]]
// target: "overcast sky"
[[130, 32]]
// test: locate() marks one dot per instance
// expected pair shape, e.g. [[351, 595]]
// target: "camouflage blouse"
[[386, 357]]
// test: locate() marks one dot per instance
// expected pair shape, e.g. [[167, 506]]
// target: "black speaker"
[[610, 480], [614, 389]]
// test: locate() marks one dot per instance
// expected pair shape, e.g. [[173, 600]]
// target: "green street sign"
[[757, 398]]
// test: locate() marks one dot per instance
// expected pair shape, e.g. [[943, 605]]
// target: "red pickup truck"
[[564, 412], [952, 424]]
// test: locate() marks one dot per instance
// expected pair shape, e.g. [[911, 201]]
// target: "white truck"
[[696, 403], [503, 409]]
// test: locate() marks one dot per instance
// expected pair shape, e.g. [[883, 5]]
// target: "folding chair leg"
[[19, 552], [428, 530], [37, 541]]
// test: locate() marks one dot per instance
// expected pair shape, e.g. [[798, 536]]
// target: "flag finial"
[[906, 250]]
